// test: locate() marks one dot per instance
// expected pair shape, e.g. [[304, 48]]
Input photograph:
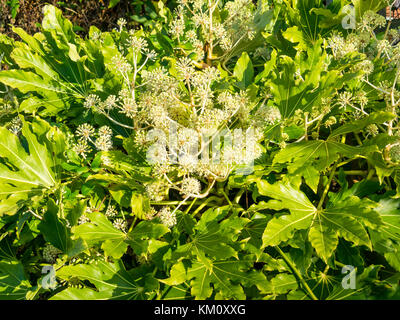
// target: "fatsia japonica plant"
[[229, 150]]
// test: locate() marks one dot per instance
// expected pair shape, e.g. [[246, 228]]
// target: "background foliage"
[[325, 188]]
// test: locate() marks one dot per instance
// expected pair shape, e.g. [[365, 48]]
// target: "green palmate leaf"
[[244, 71], [357, 125], [143, 238], [180, 292], [210, 240], [363, 280], [253, 232], [101, 230], [53, 230], [177, 275], [26, 59], [295, 35], [347, 219], [389, 212], [322, 238], [120, 162], [387, 238], [282, 283], [140, 205], [393, 257], [111, 280], [6, 47], [7, 251], [364, 210], [302, 211], [347, 227], [226, 277], [64, 66], [318, 153], [14, 284], [304, 15], [34, 171], [72, 293], [291, 92]]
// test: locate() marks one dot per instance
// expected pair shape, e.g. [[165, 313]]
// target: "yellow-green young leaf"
[[140, 205], [294, 35], [54, 21], [282, 283], [26, 59]]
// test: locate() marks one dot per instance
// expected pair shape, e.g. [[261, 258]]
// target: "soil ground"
[[82, 13]]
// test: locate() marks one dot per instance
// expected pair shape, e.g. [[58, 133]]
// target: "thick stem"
[[297, 273], [332, 174]]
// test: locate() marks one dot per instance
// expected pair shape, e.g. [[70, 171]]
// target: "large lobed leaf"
[[25, 172]]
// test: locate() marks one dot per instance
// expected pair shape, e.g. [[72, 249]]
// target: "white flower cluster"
[[190, 124], [86, 134], [167, 217], [157, 190], [111, 212], [83, 219], [15, 125], [195, 22], [120, 224]]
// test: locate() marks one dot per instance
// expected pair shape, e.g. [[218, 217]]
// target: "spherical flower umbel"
[[50, 253], [266, 115], [85, 131], [91, 101], [190, 186], [372, 130], [157, 190], [15, 126], [120, 64], [111, 211], [103, 143], [105, 131], [120, 224], [167, 217], [82, 148]]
